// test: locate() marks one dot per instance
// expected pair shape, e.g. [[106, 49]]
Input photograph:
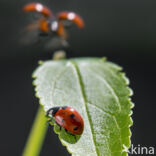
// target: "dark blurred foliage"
[[123, 31]]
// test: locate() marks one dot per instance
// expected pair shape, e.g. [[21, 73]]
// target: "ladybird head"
[[53, 24], [52, 111]]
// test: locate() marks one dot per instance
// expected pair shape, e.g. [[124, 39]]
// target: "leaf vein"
[[110, 88], [85, 101], [114, 118], [54, 83]]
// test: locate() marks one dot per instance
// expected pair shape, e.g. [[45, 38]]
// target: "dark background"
[[123, 31]]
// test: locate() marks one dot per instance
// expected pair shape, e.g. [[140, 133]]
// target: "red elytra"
[[49, 23], [68, 118], [38, 7], [71, 16]]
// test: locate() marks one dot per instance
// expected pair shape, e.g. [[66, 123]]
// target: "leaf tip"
[[40, 62], [104, 59]]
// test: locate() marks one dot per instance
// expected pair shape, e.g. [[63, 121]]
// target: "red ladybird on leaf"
[[67, 118]]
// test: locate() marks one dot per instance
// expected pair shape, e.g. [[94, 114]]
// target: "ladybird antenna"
[[38, 7]]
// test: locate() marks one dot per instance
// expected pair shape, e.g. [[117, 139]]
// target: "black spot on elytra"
[[75, 128], [72, 115], [62, 120]]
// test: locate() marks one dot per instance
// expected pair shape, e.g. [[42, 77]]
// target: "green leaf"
[[98, 90]]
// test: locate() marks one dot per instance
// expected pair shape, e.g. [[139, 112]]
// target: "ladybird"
[[68, 118], [48, 23]]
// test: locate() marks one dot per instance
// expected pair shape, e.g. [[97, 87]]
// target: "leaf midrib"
[[85, 101], [79, 77]]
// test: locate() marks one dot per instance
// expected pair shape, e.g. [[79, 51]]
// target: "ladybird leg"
[[60, 128], [49, 120], [75, 139]]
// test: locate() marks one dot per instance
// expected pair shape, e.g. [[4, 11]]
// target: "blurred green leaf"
[[98, 90]]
